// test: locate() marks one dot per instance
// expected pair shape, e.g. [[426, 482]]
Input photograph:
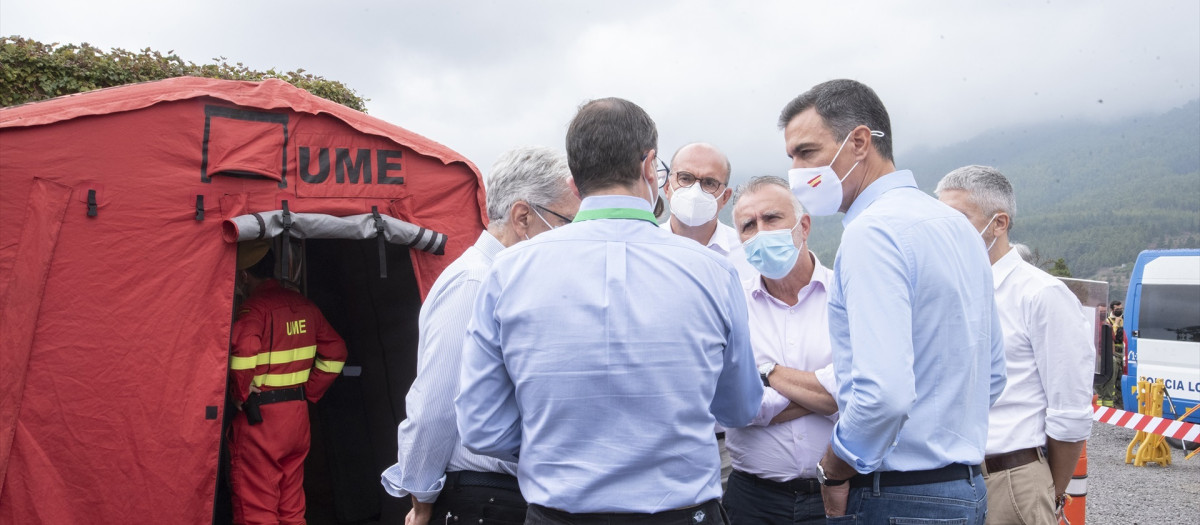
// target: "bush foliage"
[[31, 71]]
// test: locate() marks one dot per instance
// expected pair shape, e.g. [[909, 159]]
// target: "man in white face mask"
[[698, 188], [1047, 402], [775, 458], [917, 344]]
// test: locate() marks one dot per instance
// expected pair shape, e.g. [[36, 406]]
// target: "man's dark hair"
[[606, 142], [265, 267], [1114, 304], [844, 105]]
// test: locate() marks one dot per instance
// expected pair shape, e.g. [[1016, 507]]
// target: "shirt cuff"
[[1069, 426], [772, 404], [393, 477], [857, 463]]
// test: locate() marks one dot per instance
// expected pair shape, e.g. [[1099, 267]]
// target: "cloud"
[[482, 77]]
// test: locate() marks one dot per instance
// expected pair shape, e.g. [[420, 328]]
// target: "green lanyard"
[[615, 213]]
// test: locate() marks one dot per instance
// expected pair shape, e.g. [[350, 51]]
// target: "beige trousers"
[[1022, 495]]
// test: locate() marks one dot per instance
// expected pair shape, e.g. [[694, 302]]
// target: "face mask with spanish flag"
[[820, 189]]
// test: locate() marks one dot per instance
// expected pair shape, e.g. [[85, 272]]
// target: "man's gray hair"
[[757, 183], [987, 187], [535, 174]]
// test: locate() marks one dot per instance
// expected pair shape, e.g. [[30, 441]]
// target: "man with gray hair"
[[529, 192], [775, 457], [1047, 401], [569, 365]]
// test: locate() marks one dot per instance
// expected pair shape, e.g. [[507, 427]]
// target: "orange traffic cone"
[[1075, 511]]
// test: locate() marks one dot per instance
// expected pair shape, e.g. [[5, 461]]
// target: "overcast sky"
[[482, 77]]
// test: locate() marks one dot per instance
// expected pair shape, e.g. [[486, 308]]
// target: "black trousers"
[[475, 497], [751, 500], [707, 513]]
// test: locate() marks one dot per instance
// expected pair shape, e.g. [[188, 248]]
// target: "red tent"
[[118, 239]]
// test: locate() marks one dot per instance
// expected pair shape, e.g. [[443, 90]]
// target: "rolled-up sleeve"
[[426, 440], [874, 277], [1062, 347]]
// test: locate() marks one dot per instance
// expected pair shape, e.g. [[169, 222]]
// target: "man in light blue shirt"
[[569, 366], [529, 191], [917, 344]]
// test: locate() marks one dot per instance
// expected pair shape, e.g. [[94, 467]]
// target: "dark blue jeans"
[[757, 503], [961, 502]]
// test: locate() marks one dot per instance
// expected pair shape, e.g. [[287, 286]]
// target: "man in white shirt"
[[1046, 404], [775, 458], [698, 187], [529, 191]]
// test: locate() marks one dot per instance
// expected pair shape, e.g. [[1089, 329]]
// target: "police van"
[[1162, 329]]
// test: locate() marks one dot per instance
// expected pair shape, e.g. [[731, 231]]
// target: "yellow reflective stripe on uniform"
[[243, 363], [292, 379], [333, 367], [278, 357]]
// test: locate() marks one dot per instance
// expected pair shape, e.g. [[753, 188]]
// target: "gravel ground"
[[1121, 494]]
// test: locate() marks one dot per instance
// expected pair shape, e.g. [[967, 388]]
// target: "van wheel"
[[1179, 444]]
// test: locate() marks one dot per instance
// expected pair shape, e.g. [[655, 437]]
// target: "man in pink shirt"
[[775, 458]]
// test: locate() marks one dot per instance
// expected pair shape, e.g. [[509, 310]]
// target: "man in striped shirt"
[[284, 352], [529, 191]]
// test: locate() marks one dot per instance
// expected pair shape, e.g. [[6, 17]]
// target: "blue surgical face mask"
[[772, 253]]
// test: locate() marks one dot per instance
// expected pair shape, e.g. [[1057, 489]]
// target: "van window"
[[1170, 312]]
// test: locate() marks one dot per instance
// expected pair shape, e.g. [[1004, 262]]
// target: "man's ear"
[[724, 198], [860, 139], [518, 218], [1002, 223]]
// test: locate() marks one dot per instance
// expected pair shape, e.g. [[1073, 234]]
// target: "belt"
[[795, 486], [267, 397], [494, 480], [1009, 460], [899, 478], [707, 512]]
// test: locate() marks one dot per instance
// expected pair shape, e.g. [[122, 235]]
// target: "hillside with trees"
[[1091, 194]]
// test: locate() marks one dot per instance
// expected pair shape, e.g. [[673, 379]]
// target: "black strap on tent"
[[91, 203], [199, 207], [262, 226], [286, 237], [379, 235]]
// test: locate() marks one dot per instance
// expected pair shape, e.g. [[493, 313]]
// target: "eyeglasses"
[[708, 184], [662, 173], [564, 218]]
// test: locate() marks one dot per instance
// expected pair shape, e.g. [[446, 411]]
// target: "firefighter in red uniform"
[[284, 353]]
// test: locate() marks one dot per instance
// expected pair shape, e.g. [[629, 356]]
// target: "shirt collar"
[[599, 202], [724, 237], [489, 245], [820, 276], [891, 181], [1005, 266]]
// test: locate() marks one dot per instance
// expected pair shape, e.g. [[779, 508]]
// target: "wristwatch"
[[826, 481], [765, 370]]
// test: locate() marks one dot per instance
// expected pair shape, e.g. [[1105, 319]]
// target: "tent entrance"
[[354, 425]]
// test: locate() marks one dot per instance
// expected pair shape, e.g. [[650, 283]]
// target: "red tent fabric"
[[116, 285]]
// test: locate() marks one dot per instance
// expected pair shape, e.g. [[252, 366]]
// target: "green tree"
[[1059, 269], [31, 71]]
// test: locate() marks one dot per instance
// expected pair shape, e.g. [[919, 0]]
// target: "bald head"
[[704, 152]]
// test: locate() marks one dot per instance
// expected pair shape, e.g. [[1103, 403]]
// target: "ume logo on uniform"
[[815, 181]]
